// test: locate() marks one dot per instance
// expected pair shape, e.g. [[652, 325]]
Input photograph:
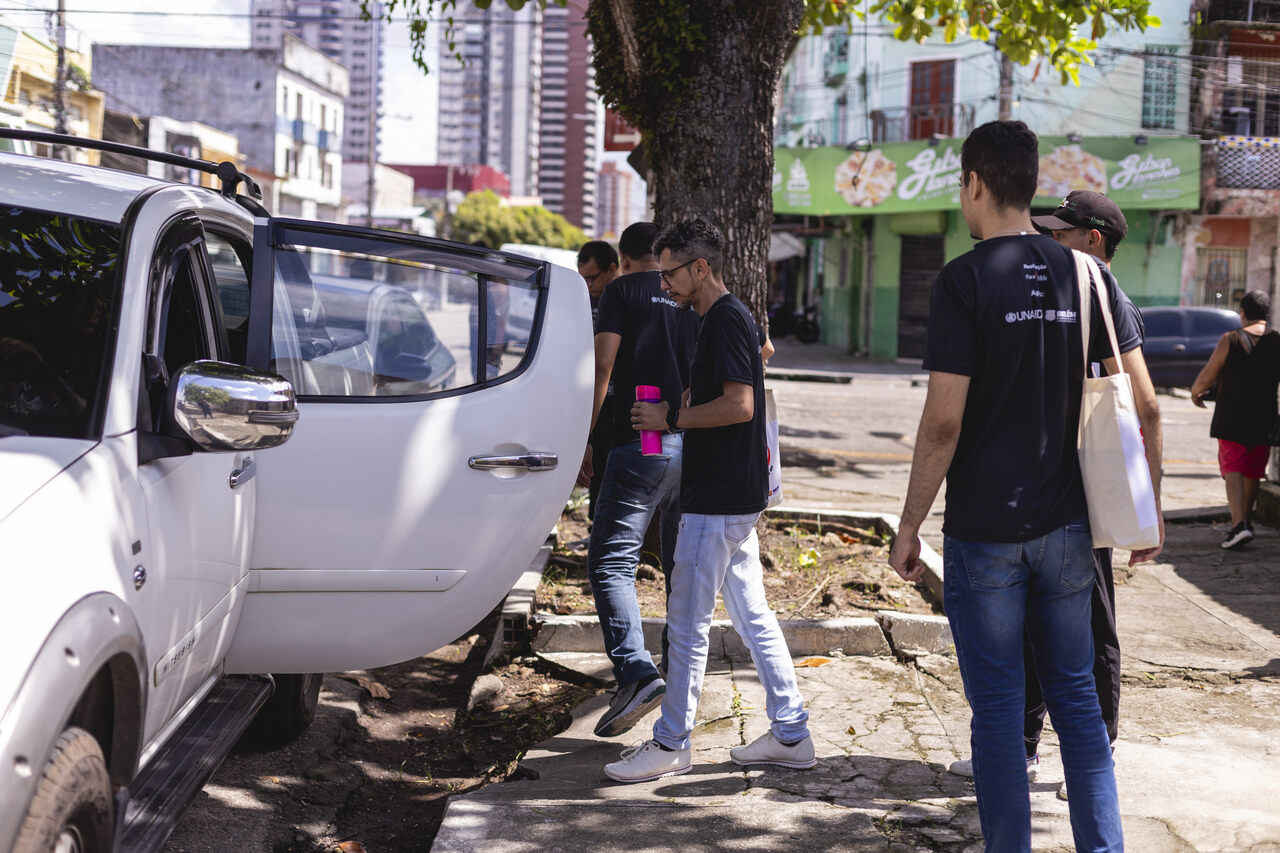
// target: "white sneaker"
[[964, 767], [642, 762], [767, 749]]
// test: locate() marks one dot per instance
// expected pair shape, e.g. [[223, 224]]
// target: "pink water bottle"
[[650, 439]]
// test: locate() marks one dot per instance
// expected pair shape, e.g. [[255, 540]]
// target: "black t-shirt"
[[725, 468], [657, 344], [1006, 314], [1245, 407]]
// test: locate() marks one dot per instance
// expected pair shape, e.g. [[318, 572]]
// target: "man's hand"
[[1146, 554], [587, 470], [649, 416], [904, 558]]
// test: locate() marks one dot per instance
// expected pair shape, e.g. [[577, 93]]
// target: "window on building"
[[284, 100], [299, 113], [1221, 275], [1251, 96], [1160, 86], [933, 94]]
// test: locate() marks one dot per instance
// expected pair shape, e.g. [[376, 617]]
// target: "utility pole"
[[1006, 87], [373, 164], [60, 82]]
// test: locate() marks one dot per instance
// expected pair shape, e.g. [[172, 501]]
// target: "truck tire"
[[288, 712], [72, 809]]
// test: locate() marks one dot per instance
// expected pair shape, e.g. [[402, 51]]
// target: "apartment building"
[[337, 29], [284, 104]]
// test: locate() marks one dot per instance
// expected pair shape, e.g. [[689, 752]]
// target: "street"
[[850, 445]]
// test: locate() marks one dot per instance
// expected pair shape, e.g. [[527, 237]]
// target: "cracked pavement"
[[1196, 760]]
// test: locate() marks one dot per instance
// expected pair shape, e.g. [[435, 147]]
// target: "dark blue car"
[[1180, 339]]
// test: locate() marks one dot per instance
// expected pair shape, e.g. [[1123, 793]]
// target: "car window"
[[1162, 324], [358, 324], [232, 282], [182, 327], [1213, 323], [58, 298]]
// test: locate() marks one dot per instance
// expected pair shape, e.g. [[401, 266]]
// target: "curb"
[[888, 632], [1268, 505], [792, 375]]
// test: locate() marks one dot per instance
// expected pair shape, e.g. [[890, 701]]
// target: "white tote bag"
[[774, 459], [1113, 462]]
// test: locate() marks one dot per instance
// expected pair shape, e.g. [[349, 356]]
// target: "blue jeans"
[[635, 486], [992, 592], [720, 553]]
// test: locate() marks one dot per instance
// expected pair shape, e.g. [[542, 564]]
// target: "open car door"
[[444, 393]]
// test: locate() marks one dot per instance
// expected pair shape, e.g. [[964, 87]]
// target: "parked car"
[[1179, 340], [220, 458]]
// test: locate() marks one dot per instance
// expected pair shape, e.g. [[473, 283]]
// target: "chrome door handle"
[[243, 474], [1179, 347], [534, 461]]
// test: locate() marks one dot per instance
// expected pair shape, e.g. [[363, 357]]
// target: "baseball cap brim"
[[1052, 223]]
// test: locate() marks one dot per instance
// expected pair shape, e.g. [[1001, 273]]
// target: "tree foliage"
[[482, 218]]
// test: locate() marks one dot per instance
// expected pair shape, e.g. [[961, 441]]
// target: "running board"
[[159, 795]]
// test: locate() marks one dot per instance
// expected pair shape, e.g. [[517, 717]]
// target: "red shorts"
[[1239, 459]]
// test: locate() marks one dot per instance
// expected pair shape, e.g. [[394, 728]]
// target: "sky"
[[410, 98]]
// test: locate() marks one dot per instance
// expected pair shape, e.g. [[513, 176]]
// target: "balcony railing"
[[899, 124], [1249, 162], [1256, 11], [328, 140], [304, 131]]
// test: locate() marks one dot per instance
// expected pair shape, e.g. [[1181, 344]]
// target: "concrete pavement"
[[1196, 759]]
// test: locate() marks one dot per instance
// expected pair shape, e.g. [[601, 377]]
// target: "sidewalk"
[[823, 363], [1196, 760]]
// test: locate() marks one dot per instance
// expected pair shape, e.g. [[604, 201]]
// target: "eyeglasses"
[[667, 274]]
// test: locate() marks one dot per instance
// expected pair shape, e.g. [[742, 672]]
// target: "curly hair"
[[693, 238]]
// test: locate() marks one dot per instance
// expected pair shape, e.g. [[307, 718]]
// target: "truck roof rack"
[[226, 171]]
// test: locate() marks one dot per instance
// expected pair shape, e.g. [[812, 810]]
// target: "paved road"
[[850, 445]]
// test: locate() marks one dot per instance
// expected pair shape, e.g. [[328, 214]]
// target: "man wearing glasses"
[[642, 338], [724, 488]]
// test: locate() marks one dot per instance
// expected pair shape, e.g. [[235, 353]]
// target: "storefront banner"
[[897, 177]]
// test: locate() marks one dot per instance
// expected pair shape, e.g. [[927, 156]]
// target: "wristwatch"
[[673, 415]]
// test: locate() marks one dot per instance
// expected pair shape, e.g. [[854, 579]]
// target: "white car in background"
[[166, 550], [520, 313]]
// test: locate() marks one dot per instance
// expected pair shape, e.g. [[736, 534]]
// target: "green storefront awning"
[[899, 177]]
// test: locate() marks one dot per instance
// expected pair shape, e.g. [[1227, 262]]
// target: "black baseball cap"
[[1085, 209]]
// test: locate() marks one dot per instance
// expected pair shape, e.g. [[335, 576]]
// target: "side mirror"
[[225, 407]]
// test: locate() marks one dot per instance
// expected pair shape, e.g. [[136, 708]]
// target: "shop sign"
[[1162, 173]]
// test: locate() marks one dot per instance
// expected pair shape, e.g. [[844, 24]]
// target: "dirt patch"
[[421, 744], [812, 570]]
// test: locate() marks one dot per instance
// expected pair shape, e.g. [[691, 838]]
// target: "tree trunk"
[[712, 152]]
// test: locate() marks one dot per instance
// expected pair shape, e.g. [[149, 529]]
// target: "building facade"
[[28, 73], [489, 112], [613, 200], [568, 117], [337, 29], [1231, 247], [867, 142], [285, 105]]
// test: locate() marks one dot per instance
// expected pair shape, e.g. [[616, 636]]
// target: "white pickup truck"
[[165, 550]]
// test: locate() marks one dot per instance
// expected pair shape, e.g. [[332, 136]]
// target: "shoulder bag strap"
[[1086, 269], [1246, 342]]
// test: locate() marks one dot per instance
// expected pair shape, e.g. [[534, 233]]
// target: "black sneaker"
[[1239, 535], [629, 704]]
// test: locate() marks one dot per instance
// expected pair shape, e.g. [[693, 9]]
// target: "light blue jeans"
[[720, 553], [991, 591]]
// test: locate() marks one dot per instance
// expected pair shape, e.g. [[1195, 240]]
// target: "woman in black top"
[[1246, 366]]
